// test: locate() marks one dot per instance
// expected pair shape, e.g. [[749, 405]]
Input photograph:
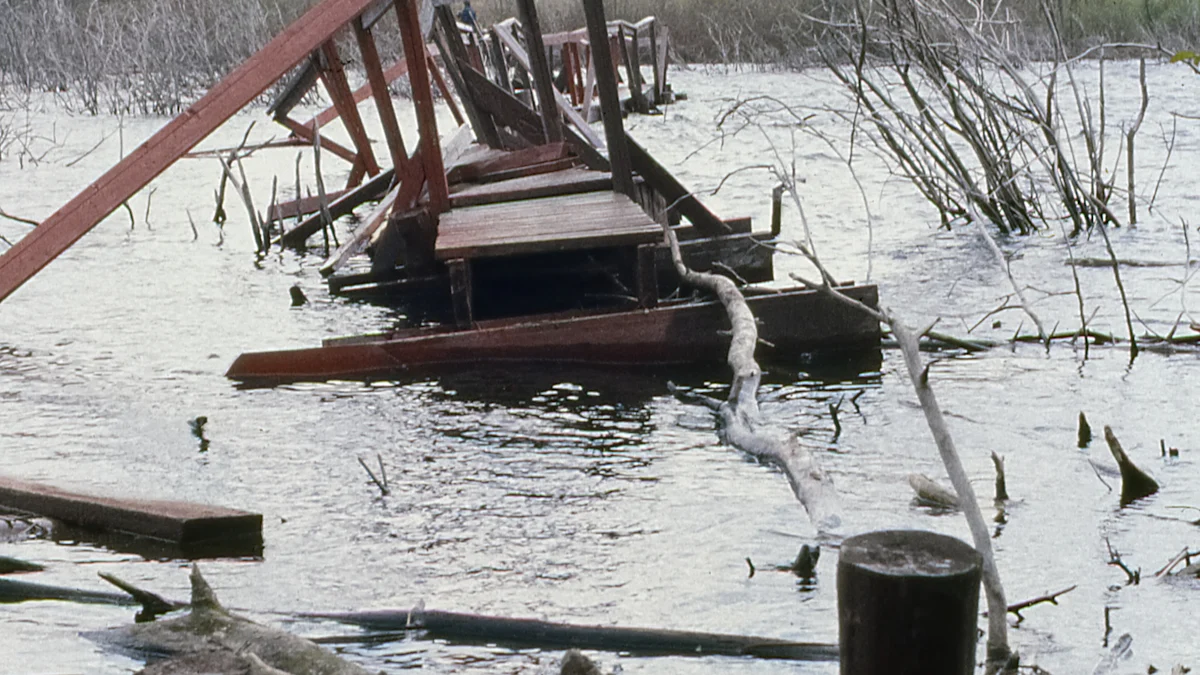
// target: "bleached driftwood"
[[742, 424]]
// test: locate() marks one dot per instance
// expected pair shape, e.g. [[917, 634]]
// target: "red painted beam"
[[422, 94], [62, 229]]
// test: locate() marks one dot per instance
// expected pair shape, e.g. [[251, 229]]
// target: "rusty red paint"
[[63, 228]]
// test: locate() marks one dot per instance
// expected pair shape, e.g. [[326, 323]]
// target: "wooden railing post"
[[908, 603], [610, 105]]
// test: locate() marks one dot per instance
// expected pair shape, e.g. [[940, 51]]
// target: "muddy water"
[[585, 495]]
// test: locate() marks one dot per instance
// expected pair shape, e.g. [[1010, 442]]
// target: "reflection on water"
[[574, 494]]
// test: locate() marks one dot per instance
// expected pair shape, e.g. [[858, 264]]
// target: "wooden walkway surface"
[[567, 222], [563, 182]]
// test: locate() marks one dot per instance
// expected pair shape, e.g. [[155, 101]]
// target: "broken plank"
[[508, 160], [551, 166], [504, 30], [339, 207], [569, 181], [183, 523], [300, 207], [362, 235], [234, 92]]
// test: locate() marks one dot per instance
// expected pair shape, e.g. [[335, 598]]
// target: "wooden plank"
[[300, 207], [174, 521], [610, 107], [792, 323], [441, 83], [569, 222], [657, 177], [237, 90], [355, 244], [295, 90], [339, 207], [512, 112], [339, 90], [540, 70], [394, 72], [569, 181], [305, 132], [377, 83], [744, 254], [418, 76], [581, 125], [500, 61], [449, 42], [550, 166], [508, 160]]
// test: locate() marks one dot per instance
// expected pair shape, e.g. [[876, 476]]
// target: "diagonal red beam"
[[65, 226], [394, 72], [422, 93], [338, 87]]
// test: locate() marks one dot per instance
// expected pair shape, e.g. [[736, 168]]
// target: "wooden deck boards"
[[568, 181], [568, 222]]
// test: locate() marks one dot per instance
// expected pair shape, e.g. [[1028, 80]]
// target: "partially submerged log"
[[210, 639], [929, 493], [549, 635], [10, 565], [1135, 483]]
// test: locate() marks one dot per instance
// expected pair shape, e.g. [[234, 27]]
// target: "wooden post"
[[777, 210], [418, 76], [658, 92], [461, 292], [501, 62], [633, 64], [540, 71], [610, 106], [908, 602], [647, 276]]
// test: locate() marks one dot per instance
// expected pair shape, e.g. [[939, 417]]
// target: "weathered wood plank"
[[606, 82], [362, 235], [568, 222], [156, 154], [174, 521], [792, 323], [568, 181], [339, 207], [507, 160], [300, 207], [657, 177]]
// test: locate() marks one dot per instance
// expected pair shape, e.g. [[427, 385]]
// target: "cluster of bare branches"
[[146, 57], [955, 110]]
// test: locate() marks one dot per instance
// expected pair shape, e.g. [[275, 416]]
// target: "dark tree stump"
[[908, 602]]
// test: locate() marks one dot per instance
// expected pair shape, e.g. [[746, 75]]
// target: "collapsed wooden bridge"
[[538, 238]]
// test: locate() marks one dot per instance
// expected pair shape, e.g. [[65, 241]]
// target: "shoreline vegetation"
[[154, 57]]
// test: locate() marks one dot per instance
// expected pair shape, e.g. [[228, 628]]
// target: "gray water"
[[591, 495]]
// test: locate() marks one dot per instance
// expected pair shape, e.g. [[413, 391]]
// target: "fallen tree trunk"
[[742, 425], [548, 635], [210, 639]]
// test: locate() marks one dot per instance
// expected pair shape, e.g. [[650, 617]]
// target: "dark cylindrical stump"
[[908, 603]]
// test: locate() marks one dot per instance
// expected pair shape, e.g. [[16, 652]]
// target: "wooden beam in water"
[[237, 90], [339, 207], [183, 523]]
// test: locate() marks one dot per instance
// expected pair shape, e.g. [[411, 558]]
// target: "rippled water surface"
[[592, 495]]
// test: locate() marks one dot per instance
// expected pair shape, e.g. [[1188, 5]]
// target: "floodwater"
[[594, 495]]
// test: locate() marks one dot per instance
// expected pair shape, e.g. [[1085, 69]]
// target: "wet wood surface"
[[174, 521], [568, 181], [568, 222]]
